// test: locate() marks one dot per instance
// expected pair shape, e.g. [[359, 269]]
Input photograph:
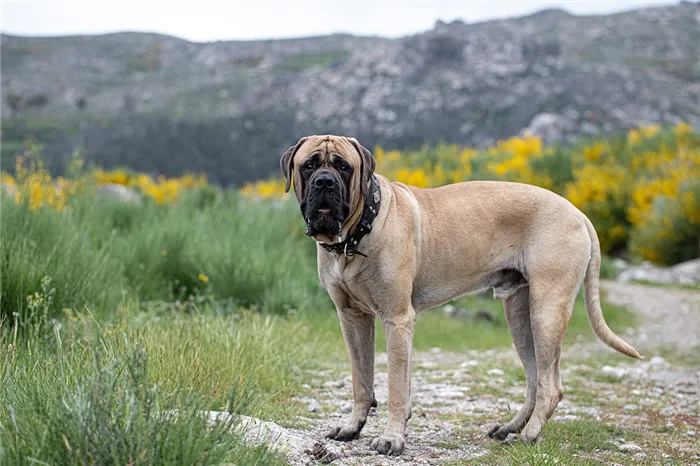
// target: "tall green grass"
[[101, 394], [102, 252]]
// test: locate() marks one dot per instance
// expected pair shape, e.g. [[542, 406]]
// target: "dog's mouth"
[[324, 214]]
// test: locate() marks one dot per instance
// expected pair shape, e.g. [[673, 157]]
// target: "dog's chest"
[[347, 285]]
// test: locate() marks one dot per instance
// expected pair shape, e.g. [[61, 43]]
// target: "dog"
[[389, 250]]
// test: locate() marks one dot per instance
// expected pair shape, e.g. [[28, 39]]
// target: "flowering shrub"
[[32, 184], [640, 188]]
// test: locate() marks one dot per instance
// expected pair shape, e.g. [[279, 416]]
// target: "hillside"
[[165, 105]]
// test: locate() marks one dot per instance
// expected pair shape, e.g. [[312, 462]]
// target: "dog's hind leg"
[[517, 310], [551, 304]]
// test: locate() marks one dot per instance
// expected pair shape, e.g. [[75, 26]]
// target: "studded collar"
[[369, 213]]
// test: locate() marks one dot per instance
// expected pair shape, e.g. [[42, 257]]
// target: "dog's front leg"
[[398, 328], [358, 332]]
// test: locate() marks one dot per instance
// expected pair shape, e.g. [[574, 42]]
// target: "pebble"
[[407, 457], [435, 350], [314, 406], [618, 372], [657, 361], [334, 384], [631, 407], [306, 386], [428, 365], [450, 394], [630, 447], [495, 372], [346, 408], [471, 363]]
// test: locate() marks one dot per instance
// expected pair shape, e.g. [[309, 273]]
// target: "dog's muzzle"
[[325, 208]]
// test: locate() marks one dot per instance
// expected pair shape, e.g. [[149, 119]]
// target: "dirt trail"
[[457, 397]]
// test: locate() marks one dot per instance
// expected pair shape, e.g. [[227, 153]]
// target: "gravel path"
[[457, 397]]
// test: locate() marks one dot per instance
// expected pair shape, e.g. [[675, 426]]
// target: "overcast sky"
[[206, 20]]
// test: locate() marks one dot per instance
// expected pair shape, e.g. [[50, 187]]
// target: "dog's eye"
[[309, 165], [344, 166]]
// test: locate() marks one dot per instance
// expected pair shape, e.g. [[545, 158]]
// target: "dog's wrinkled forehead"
[[328, 146]]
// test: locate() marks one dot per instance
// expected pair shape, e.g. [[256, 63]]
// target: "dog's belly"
[[504, 283], [428, 297]]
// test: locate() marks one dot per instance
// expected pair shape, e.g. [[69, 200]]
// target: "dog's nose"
[[324, 181]]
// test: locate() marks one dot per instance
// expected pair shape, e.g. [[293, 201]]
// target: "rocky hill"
[[163, 104]]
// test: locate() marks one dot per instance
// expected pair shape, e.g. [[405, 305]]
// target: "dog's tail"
[[591, 298]]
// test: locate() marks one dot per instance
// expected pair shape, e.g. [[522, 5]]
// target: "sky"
[[209, 20]]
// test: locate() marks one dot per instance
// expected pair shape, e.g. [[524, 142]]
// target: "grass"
[[93, 395], [570, 443]]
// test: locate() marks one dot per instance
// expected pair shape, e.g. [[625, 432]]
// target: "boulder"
[[685, 273], [7, 189], [549, 127], [119, 192]]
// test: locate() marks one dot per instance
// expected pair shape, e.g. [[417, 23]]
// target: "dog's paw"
[[344, 434], [499, 432], [389, 445]]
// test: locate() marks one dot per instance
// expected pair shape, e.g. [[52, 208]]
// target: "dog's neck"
[[358, 224]]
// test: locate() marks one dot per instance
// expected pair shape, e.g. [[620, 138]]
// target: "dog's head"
[[331, 177]]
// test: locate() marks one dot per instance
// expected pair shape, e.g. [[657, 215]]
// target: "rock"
[[306, 386], [657, 361], [619, 265], [630, 447], [428, 365], [435, 350], [258, 432], [618, 372], [118, 192], [334, 384], [314, 406], [549, 127], [685, 273], [346, 408], [496, 372], [470, 363], [449, 309], [7, 189], [448, 393], [630, 407]]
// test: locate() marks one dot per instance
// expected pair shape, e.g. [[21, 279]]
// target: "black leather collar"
[[369, 213]]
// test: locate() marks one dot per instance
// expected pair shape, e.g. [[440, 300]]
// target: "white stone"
[[314, 406], [657, 361], [630, 447], [495, 372], [471, 363], [618, 372]]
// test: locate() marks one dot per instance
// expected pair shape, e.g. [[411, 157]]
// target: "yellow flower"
[[203, 278], [164, 253]]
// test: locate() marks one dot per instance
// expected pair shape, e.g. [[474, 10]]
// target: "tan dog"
[[429, 246]]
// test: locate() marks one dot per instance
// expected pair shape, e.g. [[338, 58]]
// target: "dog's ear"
[[287, 162], [367, 167]]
